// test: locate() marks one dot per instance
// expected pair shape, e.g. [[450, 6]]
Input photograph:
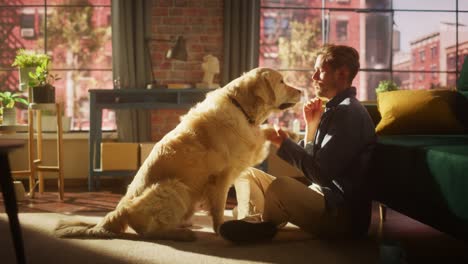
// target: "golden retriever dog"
[[196, 162]]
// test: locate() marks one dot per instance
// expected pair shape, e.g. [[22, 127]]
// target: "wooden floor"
[[420, 243]]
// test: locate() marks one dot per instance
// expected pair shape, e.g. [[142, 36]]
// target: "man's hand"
[[312, 113], [313, 110], [278, 137]]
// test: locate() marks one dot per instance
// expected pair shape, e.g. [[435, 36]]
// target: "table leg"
[[60, 151], [6, 182], [32, 167], [38, 160], [92, 142]]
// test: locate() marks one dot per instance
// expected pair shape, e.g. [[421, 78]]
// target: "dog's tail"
[[74, 229], [111, 226]]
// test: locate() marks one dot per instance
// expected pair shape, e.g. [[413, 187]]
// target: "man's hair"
[[340, 55]]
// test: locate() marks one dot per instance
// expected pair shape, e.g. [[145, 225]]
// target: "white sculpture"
[[210, 67]]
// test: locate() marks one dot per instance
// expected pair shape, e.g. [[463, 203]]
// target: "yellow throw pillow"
[[417, 112]]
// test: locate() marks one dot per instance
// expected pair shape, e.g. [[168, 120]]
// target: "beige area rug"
[[291, 245]]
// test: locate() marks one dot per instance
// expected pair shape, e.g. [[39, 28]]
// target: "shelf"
[[13, 128], [50, 107]]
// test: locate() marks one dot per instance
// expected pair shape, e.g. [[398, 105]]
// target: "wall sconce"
[[178, 51]]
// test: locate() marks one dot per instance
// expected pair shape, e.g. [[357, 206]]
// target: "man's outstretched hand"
[[278, 137]]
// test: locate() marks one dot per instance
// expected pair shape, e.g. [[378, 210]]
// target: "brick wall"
[[201, 23]]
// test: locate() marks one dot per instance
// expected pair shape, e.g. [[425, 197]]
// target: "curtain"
[[130, 64], [241, 37]]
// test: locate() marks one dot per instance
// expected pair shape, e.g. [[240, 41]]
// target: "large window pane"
[[376, 33], [366, 82], [79, 37], [9, 80], [344, 28], [19, 28], [374, 4], [291, 3], [78, 2], [22, 2], [463, 5], [424, 47], [434, 22], [425, 4], [288, 37], [72, 91]]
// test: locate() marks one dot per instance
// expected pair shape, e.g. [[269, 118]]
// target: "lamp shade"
[[178, 51]]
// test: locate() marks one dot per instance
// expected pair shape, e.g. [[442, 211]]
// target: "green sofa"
[[424, 176]]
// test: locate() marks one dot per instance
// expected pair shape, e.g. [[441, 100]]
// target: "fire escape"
[[9, 43]]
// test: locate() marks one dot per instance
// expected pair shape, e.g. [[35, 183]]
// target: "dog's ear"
[[267, 94], [246, 91]]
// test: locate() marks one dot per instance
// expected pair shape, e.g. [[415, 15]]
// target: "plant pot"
[[44, 94], [49, 123], [24, 77], [9, 116]]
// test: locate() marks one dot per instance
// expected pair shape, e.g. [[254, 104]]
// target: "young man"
[[334, 156]]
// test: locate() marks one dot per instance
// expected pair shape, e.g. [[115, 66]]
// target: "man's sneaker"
[[243, 232]]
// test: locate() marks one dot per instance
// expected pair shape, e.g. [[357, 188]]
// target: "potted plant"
[[386, 86], [41, 84], [8, 101], [27, 61]]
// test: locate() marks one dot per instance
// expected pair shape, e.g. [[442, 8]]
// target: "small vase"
[[24, 77], [9, 116], [44, 94]]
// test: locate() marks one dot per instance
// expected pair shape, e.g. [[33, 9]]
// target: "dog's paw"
[[270, 132]]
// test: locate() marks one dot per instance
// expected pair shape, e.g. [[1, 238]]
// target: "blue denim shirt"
[[338, 158]]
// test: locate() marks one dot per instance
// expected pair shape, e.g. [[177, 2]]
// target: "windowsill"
[[53, 135]]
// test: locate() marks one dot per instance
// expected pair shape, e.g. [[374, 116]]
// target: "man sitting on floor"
[[334, 156]]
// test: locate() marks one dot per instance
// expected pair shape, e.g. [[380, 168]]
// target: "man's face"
[[324, 79]]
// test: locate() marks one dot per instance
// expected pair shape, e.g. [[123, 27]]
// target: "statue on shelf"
[[210, 67]]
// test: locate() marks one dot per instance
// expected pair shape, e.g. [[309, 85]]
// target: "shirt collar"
[[337, 99]]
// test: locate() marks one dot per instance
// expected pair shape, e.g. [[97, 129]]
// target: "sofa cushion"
[[418, 112]]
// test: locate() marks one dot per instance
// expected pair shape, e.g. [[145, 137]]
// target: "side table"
[[35, 161], [9, 198]]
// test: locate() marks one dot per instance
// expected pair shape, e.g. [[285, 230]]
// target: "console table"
[[129, 99]]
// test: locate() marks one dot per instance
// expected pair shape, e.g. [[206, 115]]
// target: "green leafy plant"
[[42, 77], [9, 99], [386, 86], [25, 58]]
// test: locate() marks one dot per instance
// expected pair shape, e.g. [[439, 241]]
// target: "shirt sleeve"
[[341, 144]]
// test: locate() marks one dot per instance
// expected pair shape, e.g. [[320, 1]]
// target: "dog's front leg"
[[216, 196]]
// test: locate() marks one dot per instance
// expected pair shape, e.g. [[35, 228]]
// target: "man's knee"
[[279, 186]]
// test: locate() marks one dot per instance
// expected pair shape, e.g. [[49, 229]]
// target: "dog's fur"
[[197, 161]]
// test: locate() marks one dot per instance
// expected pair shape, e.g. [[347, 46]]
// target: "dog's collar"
[[236, 103]]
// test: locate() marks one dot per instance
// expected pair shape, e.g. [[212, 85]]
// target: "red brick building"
[[436, 52]]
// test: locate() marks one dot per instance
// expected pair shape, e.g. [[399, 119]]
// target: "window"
[[76, 34], [421, 75], [433, 52], [369, 26], [451, 62], [342, 30], [434, 71], [422, 55], [27, 26]]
